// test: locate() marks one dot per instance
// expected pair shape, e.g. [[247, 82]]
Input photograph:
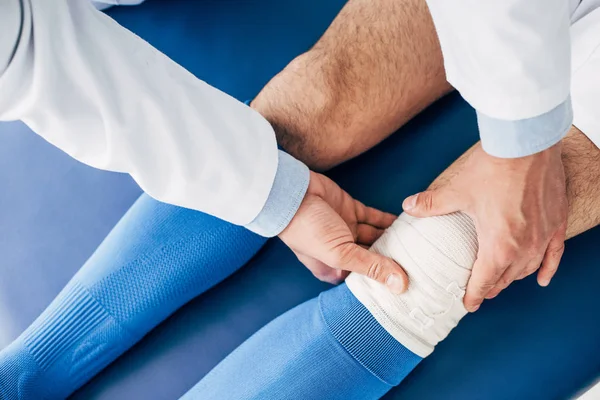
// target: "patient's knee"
[[437, 254]]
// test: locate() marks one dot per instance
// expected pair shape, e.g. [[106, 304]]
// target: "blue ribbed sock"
[[327, 348], [155, 260]]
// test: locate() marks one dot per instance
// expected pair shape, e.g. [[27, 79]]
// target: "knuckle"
[[339, 275], [529, 271], [331, 280], [328, 277], [473, 301], [557, 252], [536, 242], [532, 250], [552, 267], [375, 271], [504, 283], [426, 201], [321, 277], [345, 255], [494, 275], [480, 289], [505, 256], [534, 254], [320, 274], [485, 287], [523, 275], [501, 262]]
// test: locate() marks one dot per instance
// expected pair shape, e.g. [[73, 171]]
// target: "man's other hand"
[[519, 207]]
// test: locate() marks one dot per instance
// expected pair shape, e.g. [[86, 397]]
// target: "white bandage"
[[437, 253]]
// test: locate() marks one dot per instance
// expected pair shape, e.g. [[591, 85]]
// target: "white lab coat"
[[112, 101]]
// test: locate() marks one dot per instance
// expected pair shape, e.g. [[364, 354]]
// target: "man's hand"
[[519, 207], [330, 232]]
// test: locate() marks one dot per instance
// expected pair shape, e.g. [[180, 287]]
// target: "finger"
[[533, 266], [367, 234], [321, 271], [493, 293], [509, 275], [524, 274], [512, 274], [431, 203], [483, 279], [372, 216], [352, 257], [551, 260]]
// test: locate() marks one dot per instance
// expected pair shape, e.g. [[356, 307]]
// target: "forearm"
[[358, 84]]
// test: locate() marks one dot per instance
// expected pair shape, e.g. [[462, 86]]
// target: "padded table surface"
[[528, 343]]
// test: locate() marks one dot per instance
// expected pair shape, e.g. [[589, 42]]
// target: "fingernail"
[[410, 202], [544, 282], [395, 283], [475, 308]]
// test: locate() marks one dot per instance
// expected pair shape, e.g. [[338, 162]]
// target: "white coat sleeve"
[[109, 99], [509, 59]]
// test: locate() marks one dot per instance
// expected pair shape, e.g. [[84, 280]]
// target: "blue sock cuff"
[[20, 375], [74, 315], [364, 338], [68, 343]]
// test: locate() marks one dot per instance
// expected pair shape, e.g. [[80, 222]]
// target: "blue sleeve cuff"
[[520, 138], [287, 192]]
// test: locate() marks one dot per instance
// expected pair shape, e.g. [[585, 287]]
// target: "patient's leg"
[[129, 286], [377, 66], [336, 347], [157, 258]]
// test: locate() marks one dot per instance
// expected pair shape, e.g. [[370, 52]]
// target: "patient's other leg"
[[157, 258]]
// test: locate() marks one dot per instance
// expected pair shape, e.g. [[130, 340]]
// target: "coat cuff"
[[288, 190], [520, 138]]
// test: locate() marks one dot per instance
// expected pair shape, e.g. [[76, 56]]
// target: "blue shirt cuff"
[[520, 138], [287, 192]]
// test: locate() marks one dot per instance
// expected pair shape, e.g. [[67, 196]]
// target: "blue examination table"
[[529, 343]]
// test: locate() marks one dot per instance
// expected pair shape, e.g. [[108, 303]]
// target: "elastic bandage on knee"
[[438, 254]]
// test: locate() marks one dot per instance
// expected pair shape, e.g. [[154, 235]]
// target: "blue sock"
[[330, 347], [156, 259]]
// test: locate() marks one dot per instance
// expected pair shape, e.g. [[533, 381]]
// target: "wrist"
[[534, 168]]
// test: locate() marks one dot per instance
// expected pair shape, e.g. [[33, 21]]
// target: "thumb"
[[430, 203], [352, 257]]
